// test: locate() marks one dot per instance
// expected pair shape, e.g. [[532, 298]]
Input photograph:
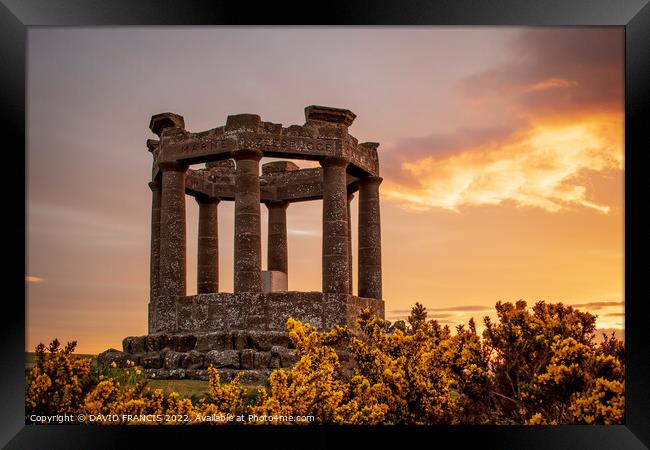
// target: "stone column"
[[154, 266], [336, 273], [172, 230], [248, 229], [350, 197], [207, 269], [277, 255], [369, 238]]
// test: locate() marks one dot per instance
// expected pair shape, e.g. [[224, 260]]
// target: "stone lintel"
[[291, 186], [329, 114], [194, 148]]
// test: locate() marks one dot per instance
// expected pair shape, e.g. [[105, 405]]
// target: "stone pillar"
[[172, 230], [277, 255], [369, 238], [154, 266], [350, 197], [248, 229], [207, 268], [336, 273]]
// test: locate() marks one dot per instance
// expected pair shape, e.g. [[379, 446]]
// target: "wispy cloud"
[[303, 232], [33, 279], [597, 305], [465, 308]]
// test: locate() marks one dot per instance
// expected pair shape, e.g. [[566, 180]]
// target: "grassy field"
[[186, 388]]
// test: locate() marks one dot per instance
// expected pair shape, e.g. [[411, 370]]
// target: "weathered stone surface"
[[182, 342], [197, 374], [243, 122], [336, 273], [239, 339], [264, 340], [222, 359], [173, 359], [328, 114], [133, 344], [287, 357], [152, 360], [248, 250], [154, 267], [247, 357], [261, 360], [112, 355], [274, 281], [219, 340], [162, 121], [193, 360], [369, 238], [172, 233], [279, 166], [207, 277]]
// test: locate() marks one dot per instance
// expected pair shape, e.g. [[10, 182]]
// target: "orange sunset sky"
[[501, 152]]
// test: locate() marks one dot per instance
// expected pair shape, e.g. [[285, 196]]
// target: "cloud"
[[597, 305], [83, 225], [464, 308], [33, 279], [303, 232], [560, 104]]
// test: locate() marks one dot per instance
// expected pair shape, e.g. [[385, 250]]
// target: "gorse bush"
[[536, 365]]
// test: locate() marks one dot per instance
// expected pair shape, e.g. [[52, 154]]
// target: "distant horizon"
[[501, 150]]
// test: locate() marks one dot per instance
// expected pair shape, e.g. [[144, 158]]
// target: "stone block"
[[242, 122], [239, 339], [133, 344], [279, 166], [264, 340], [274, 281], [151, 361], [254, 376], [328, 114], [182, 342], [173, 359], [156, 342], [247, 358], [197, 374], [262, 360], [222, 359], [193, 360], [219, 340], [112, 355]]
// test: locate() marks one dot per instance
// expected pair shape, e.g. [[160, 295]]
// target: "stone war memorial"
[[246, 330]]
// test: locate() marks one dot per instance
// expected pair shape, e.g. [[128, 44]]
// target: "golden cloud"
[[542, 166], [33, 279]]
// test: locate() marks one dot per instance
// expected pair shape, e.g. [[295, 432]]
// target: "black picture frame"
[[17, 15]]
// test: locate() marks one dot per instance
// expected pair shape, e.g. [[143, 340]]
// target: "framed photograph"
[[384, 220]]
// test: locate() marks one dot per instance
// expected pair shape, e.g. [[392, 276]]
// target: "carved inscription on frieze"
[[290, 144], [187, 149]]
